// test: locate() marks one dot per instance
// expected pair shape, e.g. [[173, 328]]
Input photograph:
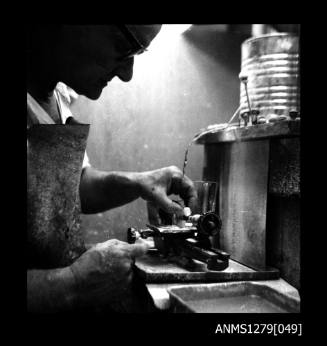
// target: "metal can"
[[271, 65]]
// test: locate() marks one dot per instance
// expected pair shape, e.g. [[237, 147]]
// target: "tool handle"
[[215, 259]]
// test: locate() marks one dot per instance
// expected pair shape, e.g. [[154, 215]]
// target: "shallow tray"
[[231, 297]]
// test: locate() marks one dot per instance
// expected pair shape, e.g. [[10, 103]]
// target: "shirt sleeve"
[[64, 98], [86, 161]]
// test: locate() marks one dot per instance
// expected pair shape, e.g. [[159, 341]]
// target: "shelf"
[[284, 129]]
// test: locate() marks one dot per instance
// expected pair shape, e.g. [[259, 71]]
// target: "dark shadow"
[[223, 46]]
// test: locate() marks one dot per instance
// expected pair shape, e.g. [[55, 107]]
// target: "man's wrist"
[[51, 290], [140, 180], [68, 287]]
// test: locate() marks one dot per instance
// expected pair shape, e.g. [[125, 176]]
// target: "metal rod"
[[244, 80]]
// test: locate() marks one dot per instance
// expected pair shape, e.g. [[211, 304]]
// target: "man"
[[85, 58]]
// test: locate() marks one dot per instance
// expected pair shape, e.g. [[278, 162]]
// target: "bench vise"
[[189, 242]]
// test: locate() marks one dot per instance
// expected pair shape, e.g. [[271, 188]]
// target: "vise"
[[189, 242]]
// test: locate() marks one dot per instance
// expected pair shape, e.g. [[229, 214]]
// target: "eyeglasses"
[[137, 47]]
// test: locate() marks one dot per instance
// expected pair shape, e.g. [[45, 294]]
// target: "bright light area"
[[173, 29], [168, 35], [164, 48]]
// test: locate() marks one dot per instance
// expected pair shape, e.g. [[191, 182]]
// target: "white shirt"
[[37, 115]]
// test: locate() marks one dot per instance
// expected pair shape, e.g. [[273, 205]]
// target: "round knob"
[[293, 113], [243, 77], [209, 224]]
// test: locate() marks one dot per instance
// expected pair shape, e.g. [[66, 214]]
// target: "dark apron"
[[54, 165]]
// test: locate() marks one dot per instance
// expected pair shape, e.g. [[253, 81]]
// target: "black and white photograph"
[[163, 172]]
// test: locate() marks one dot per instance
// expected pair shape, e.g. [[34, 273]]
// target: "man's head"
[[87, 57]]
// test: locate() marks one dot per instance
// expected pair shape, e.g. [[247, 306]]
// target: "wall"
[[181, 85]]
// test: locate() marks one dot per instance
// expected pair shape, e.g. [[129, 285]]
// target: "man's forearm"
[[50, 290], [101, 191]]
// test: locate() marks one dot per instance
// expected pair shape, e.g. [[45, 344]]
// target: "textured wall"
[[182, 84]]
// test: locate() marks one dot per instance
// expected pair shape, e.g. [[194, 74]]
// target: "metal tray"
[[231, 297]]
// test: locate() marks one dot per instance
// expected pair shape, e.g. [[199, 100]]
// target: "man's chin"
[[93, 94]]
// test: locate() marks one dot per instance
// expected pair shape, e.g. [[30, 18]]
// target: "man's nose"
[[125, 71]]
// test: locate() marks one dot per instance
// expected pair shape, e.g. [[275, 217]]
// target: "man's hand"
[[104, 273], [101, 278], [157, 185], [101, 191]]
